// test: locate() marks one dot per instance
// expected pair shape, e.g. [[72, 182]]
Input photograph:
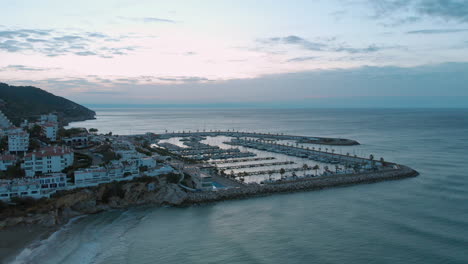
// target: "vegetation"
[[34, 144], [93, 130], [4, 144], [35, 131], [80, 161], [70, 132], [143, 151], [107, 153], [14, 171], [26, 102], [172, 178]]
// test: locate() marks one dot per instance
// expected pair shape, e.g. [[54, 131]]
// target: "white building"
[[201, 179], [48, 118], [7, 161], [20, 188], [18, 140], [49, 130], [47, 160], [37, 187], [77, 141], [52, 181], [91, 176]]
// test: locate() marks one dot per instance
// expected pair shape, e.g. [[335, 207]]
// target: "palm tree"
[[305, 167], [316, 168], [282, 172]]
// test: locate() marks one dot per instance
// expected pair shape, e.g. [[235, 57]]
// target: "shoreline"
[[11, 246], [35, 232]]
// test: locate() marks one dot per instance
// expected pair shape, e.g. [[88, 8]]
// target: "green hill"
[[28, 102]]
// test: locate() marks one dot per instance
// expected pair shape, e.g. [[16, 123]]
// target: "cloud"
[[436, 31], [148, 19], [24, 68], [85, 53], [295, 40], [322, 44], [301, 59], [157, 20], [369, 49], [54, 43], [356, 87], [184, 79], [407, 11]]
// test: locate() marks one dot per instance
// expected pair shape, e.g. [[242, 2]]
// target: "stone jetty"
[[251, 190]]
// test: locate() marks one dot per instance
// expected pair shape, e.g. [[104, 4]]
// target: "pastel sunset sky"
[[272, 52]]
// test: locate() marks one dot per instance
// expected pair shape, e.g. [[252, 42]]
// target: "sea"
[[416, 220]]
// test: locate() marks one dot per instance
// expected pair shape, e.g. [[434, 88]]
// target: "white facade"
[[91, 176], [49, 118], [37, 187], [18, 140], [47, 160], [52, 182], [49, 130], [20, 188]]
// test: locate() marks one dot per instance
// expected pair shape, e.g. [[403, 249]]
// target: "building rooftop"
[[50, 151]]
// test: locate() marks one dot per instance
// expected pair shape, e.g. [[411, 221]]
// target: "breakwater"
[[252, 190], [266, 136]]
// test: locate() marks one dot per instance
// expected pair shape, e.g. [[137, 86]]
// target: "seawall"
[[318, 183]]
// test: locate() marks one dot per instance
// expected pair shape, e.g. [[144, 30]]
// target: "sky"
[[297, 53]]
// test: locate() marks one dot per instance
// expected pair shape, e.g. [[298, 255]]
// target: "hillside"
[[27, 102]]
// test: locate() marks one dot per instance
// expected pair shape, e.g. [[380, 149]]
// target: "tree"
[[371, 157], [93, 130], [35, 131], [316, 168], [305, 167], [34, 144], [282, 172]]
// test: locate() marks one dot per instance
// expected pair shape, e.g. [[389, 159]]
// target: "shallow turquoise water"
[[417, 220]]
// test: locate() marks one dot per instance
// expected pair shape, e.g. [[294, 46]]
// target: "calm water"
[[418, 220]]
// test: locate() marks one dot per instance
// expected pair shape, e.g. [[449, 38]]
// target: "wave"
[[35, 248]]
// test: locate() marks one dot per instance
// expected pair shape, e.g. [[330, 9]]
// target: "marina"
[[247, 157]]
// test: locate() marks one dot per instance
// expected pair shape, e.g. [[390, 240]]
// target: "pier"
[[263, 172], [267, 136], [240, 160], [256, 165]]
